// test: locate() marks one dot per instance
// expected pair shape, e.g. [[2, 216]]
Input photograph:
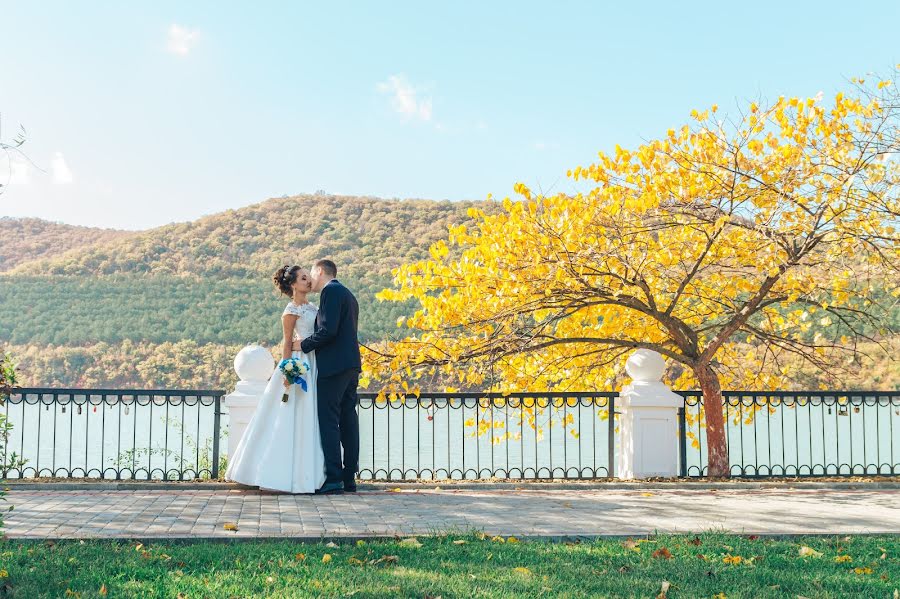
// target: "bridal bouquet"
[[293, 370]]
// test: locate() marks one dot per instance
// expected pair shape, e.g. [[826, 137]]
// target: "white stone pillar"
[[254, 365], [648, 421]]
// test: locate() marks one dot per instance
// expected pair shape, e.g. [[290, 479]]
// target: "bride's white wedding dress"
[[281, 448]]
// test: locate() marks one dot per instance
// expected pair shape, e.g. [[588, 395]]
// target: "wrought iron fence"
[[478, 436], [112, 434], [176, 434], [804, 433]]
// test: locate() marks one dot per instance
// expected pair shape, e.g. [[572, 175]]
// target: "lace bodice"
[[306, 323]]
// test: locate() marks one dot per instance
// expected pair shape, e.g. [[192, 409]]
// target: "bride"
[[281, 448]]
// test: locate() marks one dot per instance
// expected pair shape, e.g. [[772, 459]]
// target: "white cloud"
[[406, 99], [60, 170], [181, 39]]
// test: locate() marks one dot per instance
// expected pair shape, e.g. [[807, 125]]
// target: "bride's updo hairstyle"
[[285, 277]]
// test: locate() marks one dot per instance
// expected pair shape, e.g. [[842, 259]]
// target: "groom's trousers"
[[339, 424]]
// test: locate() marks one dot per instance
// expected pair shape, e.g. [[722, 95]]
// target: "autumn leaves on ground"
[[472, 565]]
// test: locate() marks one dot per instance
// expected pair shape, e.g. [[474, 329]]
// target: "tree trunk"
[[715, 422]]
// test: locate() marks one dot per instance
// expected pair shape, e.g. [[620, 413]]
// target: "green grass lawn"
[[458, 566]]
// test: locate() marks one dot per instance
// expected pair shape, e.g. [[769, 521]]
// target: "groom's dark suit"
[[337, 358]]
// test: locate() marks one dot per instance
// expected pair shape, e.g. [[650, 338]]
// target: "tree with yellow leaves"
[[732, 246]]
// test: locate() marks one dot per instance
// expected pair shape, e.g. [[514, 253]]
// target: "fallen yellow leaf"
[[862, 570], [410, 542], [843, 559], [809, 552], [230, 526], [647, 494], [326, 558], [512, 540], [498, 539], [521, 570], [732, 559], [459, 542], [299, 556]]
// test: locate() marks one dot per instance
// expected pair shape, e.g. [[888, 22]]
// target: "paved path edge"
[[351, 539], [474, 486]]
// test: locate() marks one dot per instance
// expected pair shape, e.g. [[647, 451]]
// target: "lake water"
[[150, 437]]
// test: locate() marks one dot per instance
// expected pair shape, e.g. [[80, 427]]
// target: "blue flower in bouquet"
[[294, 371]]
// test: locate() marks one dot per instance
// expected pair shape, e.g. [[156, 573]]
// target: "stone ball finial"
[[645, 366], [254, 363]]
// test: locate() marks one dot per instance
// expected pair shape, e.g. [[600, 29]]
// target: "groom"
[[337, 357]]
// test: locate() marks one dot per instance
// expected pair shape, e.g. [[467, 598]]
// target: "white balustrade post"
[[648, 423], [253, 365]]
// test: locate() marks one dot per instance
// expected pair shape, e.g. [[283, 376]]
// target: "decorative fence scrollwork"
[[797, 434], [488, 435], [177, 434], [112, 434]]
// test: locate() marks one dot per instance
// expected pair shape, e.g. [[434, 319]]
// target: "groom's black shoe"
[[331, 489], [350, 487]]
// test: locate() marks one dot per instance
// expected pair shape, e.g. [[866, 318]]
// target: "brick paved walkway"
[[545, 512]]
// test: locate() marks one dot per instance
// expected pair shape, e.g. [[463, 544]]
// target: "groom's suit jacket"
[[334, 340]]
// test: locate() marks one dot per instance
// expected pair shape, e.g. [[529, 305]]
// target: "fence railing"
[[112, 434], [477, 436], [177, 435], [804, 433]]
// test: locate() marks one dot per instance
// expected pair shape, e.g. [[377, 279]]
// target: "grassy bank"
[[458, 566]]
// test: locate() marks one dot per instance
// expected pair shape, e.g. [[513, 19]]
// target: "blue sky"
[[140, 114]]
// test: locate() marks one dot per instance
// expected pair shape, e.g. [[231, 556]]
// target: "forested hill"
[[169, 307], [362, 235], [77, 311], [26, 239]]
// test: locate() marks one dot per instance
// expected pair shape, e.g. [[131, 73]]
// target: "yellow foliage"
[[728, 249]]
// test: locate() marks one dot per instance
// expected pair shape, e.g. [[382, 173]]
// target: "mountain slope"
[[24, 240], [170, 306], [362, 235], [209, 281]]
